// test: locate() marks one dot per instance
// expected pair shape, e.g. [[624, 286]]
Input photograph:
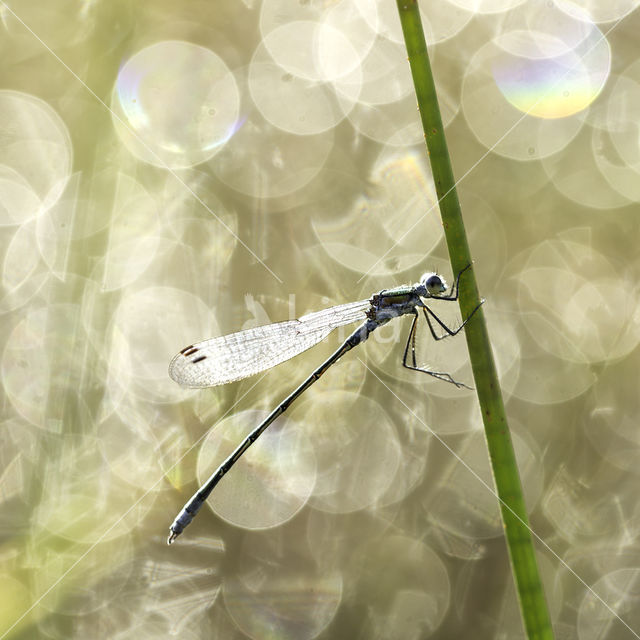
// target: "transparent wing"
[[245, 353]]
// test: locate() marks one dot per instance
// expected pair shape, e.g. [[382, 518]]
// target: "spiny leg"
[[411, 340], [440, 375], [449, 332]]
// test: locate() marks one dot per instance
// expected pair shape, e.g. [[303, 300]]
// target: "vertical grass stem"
[[505, 472]]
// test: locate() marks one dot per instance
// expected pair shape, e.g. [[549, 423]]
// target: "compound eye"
[[433, 283]]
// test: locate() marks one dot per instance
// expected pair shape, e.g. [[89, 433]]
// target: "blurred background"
[[175, 171]]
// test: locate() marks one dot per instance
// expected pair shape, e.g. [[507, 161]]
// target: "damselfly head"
[[433, 283]]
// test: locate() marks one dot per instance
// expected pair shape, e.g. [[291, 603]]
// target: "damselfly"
[[239, 355]]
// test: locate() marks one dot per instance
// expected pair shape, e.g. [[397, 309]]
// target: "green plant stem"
[[505, 472]]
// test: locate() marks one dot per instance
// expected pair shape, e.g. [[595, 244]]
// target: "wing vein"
[[244, 353]]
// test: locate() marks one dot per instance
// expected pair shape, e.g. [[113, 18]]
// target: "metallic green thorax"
[[398, 292], [392, 303]]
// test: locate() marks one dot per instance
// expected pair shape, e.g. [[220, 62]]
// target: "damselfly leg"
[[449, 332], [429, 313], [411, 343]]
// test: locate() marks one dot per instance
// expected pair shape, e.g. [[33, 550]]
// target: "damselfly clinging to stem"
[[239, 355]]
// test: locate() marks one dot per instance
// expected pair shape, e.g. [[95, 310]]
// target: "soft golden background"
[[170, 171]]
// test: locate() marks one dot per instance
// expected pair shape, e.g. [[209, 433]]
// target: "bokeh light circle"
[[297, 104], [541, 77], [521, 89], [312, 50], [440, 21], [400, 605], [273, 479], [353, 438], [597, 620], [397, 202], [288, 603], [36, 157], [266, 162], [464, 504], [587, 313], [175, 104], [616, 143]]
